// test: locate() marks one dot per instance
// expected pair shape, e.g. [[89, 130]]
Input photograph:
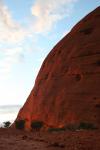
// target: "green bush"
[[7, 124], [20, 124], [36, 125], [86, 125]]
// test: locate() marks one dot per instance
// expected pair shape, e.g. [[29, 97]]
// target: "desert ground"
[[12, 139]]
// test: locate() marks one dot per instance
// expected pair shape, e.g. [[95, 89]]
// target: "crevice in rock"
[[87, 31], [86, 55], [97, 105], [78, 77], [98, 63]]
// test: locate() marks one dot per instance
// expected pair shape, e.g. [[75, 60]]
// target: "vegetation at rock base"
[[20, 124], [75, 127], [87, 126], [7, 124], [37, 125], [56, 129]]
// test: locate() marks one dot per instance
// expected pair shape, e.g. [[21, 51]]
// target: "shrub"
[[71, 127], [20, 124], [7, 124], [56, 129], [86, 125], [36, 125]]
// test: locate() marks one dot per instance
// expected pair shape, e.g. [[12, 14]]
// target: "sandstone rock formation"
[[67, 88]]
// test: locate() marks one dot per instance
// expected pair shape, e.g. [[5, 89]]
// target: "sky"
[[29, 29]]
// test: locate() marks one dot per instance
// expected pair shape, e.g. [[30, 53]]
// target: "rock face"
[[67, 88]]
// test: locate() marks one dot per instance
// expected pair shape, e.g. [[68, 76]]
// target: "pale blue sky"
[[29, 29]]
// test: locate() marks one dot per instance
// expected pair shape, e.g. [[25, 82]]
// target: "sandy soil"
[[21, 140]]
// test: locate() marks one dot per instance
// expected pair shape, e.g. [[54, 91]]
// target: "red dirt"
[[21, 140], [67, 88]]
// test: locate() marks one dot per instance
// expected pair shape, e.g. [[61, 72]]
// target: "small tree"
[[7, 124], [37, 125], [20, 124]]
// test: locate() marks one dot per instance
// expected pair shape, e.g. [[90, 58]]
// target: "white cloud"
[[12, 34], [10, 30], [11, 56], [49, 12]]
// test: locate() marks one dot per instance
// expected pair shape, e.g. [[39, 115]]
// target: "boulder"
[[67, 87]]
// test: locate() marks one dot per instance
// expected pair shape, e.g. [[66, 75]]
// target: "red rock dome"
[[67, 88]]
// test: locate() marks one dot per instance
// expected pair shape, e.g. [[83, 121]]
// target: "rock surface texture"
[[67, 88]]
